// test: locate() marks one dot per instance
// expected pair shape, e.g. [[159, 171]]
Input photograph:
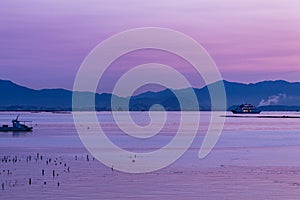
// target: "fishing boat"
[[246, 109], [16, 126]]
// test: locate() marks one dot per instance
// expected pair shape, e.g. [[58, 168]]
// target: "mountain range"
[[267, 95]]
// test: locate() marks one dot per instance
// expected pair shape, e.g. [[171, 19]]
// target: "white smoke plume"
[[272, 100]]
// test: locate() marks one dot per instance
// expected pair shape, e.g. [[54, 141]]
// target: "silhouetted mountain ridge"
[[269, 95]]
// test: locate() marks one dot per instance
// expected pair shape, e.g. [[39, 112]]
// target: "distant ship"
[[246, 109], [17, 126]]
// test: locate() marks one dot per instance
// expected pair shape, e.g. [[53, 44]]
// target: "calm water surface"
[[255, 158]]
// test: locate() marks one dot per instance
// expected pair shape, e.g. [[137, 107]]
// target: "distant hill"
[[15, 97], [268, 95]]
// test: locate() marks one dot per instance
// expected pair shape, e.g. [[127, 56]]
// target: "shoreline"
[[262, 116]]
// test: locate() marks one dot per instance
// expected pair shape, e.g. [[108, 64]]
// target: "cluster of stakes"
[[45, 166]]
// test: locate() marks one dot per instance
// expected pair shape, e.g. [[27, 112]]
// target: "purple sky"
[[43, 42]]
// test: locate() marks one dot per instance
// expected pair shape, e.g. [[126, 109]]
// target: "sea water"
[[254, 158]]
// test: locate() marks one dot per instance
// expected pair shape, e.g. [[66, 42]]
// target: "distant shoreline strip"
[[261, 116]]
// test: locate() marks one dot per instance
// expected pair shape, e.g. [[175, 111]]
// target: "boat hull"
[[247, 112], [7, 129]]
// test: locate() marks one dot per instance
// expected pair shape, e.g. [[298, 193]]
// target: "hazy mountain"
[[269, 95], [15, 97]]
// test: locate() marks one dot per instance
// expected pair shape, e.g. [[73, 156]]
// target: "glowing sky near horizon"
[[43, 42]]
